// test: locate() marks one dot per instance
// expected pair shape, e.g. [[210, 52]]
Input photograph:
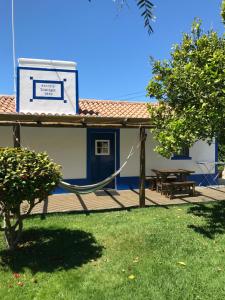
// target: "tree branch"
[[146, 6], [31, 207]]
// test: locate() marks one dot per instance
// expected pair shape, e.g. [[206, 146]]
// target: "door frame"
[[116, 132]]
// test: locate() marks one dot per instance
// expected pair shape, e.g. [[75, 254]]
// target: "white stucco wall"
[[6, 136], [201, 151], [66, 146], [129, 138]]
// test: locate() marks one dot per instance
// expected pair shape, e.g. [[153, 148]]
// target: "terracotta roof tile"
[[7, 103], [93, 107], [111, 108]]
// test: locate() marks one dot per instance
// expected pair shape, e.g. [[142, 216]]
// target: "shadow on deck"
[[109, 200]]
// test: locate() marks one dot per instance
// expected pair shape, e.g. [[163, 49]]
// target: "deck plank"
[[123, 199]]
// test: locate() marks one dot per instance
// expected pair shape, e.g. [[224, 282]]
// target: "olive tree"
[[24, 176]]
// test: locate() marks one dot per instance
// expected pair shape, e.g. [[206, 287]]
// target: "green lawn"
[[174, 253]]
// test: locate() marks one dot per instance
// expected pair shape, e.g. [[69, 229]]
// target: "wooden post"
[[16, 136], [142, 168]]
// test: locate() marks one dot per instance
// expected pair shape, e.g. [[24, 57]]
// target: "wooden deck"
[[115, 200]]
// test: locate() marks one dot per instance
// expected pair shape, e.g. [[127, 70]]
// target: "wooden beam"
[[16, 136], [73, 125], [142, 168], [22, 118]]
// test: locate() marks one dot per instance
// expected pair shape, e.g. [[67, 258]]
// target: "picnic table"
[[172, 181]]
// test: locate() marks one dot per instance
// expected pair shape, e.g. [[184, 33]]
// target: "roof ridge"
[[4, 95], [96, 100], [112, 101]]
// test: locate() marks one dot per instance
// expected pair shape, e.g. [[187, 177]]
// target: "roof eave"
[[71, 121]]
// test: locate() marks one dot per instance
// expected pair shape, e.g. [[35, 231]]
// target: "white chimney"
[[47, 86]]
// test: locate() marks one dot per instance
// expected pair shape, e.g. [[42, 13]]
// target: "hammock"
[[86, 189]]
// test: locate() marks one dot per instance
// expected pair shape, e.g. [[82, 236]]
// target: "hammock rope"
[[86, 189]]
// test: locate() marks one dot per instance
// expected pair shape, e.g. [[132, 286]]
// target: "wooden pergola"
[[18, 120]]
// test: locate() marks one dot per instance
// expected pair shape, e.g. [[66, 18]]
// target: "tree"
[[190, 88], [24, 176], [223, 11]]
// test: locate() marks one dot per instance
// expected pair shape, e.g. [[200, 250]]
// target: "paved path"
[[109, 200]]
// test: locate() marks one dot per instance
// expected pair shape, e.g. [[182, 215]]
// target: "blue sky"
[[111, 46]]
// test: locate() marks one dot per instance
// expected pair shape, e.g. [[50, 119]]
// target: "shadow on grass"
[[47, 250], [214, 215]]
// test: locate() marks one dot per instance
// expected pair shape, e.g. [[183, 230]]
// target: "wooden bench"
[[155, 182], [152, 182], [163, 186], [182, 186], [171, 188]]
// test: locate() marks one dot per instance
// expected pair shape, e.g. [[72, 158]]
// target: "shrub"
[[24, 176]]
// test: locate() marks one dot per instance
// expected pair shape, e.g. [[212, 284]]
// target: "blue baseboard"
[[80, 181], [201, 180], [126, 183], [132, 182], [122, 183]]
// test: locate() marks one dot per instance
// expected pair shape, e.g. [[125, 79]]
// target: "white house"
[[87, 155]]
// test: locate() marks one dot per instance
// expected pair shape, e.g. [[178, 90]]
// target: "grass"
[[153, 253]]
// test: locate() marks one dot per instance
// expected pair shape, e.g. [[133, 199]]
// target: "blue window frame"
[[183, 155]]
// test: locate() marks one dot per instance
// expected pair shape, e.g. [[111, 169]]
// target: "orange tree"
[[24, 176], [223, 11], [190, 89]]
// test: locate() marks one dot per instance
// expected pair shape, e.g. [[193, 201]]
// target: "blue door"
[[102, 156]]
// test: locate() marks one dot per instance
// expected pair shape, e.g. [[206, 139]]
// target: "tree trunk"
[[12, 233]]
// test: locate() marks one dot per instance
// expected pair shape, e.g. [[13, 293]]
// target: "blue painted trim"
[[117, 152], [216, 150], [117, 131], [50, 70], [61, 83], [77, 93], [216, 157], [131, 182], [123, 183], [78, 181], [200, 178], [18, 90], [181, 157]]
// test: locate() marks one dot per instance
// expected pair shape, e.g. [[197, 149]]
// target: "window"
[[184, 154], [102, 147]]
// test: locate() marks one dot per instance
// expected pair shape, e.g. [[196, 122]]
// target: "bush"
[[24, 175]]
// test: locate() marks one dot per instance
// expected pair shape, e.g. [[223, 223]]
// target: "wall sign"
[[48, 89]]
